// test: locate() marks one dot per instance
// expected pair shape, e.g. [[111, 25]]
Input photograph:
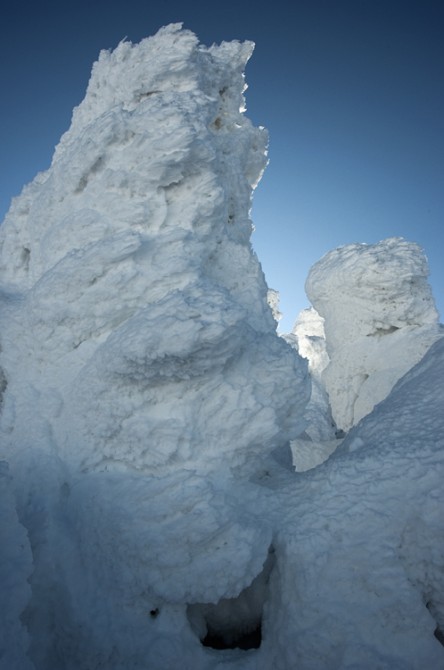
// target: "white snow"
[[379, 319], [152, 517]]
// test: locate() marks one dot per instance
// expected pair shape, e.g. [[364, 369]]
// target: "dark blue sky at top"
[[351, 92]]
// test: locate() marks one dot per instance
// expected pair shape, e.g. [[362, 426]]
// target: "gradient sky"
[[352, 93]]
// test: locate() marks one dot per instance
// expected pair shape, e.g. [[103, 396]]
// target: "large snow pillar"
[[139, 353], [132, 259]]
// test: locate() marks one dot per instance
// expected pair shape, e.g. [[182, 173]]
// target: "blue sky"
[[352, 93]]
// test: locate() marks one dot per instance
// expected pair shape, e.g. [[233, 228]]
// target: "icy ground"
[[164, 501]]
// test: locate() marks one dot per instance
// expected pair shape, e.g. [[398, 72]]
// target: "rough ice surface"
[[152, 518]]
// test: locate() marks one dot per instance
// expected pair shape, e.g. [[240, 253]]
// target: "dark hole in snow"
[[387, 330], [244, 641], [3, 385], [283, 456], [24, 257], [439, 634], [154, 612], [234, 623]]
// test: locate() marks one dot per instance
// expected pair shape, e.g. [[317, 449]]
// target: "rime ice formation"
[[128, 265], [152, 517], [309, 339], [379, 319], [309, 333], [320, 437], [143, 372]]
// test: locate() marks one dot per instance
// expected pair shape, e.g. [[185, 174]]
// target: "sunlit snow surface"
[[151, 513], [379, 318], [375, 318]]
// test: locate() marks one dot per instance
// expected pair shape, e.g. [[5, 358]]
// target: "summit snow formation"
[[129, 267], [152, 517]]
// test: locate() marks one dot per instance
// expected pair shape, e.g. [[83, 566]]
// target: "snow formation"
[[379, 318], [151, 514]]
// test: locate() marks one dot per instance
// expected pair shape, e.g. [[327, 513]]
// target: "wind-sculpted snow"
[[152, 517], [143, 374], [132, 272], [379, 319]]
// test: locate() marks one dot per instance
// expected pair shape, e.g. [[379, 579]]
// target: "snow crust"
[[152, 517]]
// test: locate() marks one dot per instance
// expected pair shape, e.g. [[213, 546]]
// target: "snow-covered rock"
[[379, 319]]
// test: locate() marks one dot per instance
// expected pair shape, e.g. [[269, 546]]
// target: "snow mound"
[[379, 319], [360, 579]]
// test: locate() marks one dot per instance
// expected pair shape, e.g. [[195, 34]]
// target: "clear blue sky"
[[352, 93]]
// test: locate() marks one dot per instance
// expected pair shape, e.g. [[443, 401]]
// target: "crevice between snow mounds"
[[3, 386], [234, 623], [3, 381]]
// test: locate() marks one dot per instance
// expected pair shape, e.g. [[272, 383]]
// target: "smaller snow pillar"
[[379, 318]]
